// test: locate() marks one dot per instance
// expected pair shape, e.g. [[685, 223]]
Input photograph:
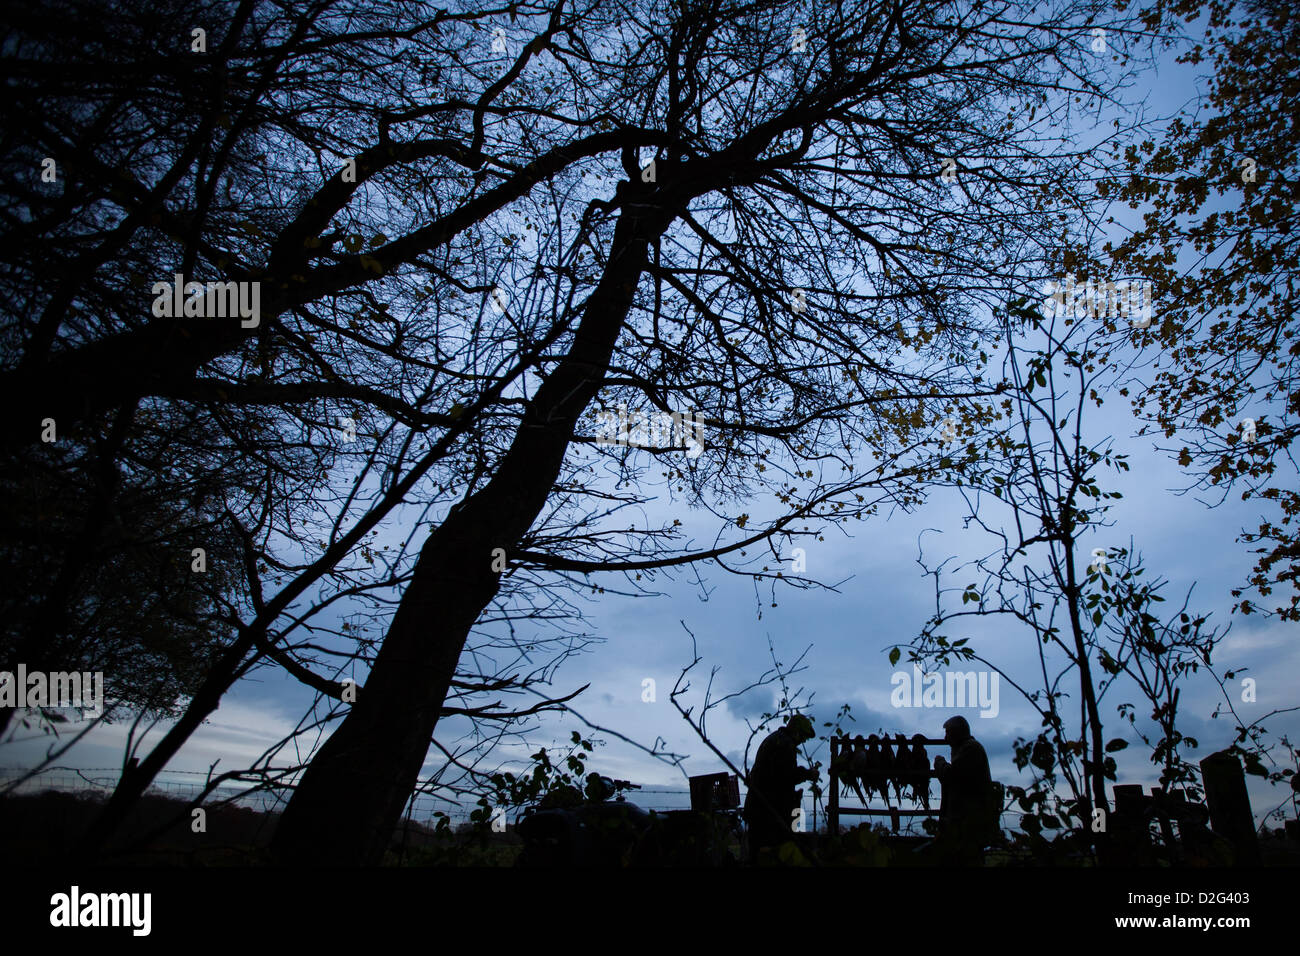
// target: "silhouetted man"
[[965, 815], [772, 799]]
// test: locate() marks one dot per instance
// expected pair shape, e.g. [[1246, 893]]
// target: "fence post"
[[1230, 816], [833, 805]]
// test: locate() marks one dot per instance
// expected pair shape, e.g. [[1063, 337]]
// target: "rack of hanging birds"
[[866, 767]]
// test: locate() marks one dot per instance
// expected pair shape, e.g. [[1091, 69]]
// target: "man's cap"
[[959, 725], [801, 725]]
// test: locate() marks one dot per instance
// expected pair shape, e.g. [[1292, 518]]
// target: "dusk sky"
[[882, 600]]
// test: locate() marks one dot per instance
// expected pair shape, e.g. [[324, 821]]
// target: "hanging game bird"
[[844, 771], [920, 772], [869, 766], [887, 768], [902, 767], [865, 763]]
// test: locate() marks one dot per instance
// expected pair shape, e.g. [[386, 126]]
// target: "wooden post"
[[1230, 816], [833, 805], [1128, 840]]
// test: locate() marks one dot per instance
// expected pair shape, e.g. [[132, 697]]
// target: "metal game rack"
[[834, 810]]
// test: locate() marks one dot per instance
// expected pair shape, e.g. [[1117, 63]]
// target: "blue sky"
[[884, 602]]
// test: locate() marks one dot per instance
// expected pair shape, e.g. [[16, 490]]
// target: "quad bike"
[[601, 828], [584, 829]]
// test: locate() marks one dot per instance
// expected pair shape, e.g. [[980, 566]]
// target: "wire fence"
[[187, 785], [178, 784]]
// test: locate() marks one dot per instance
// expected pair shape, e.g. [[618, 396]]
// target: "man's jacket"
[[775, 775]]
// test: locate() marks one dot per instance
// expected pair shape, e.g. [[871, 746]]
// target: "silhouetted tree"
[[473, 230]]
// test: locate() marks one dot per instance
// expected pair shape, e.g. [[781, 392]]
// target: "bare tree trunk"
[[351, 796]]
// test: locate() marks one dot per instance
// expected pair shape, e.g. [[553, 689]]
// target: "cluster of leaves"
[[1220, 242], [549, 783]]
